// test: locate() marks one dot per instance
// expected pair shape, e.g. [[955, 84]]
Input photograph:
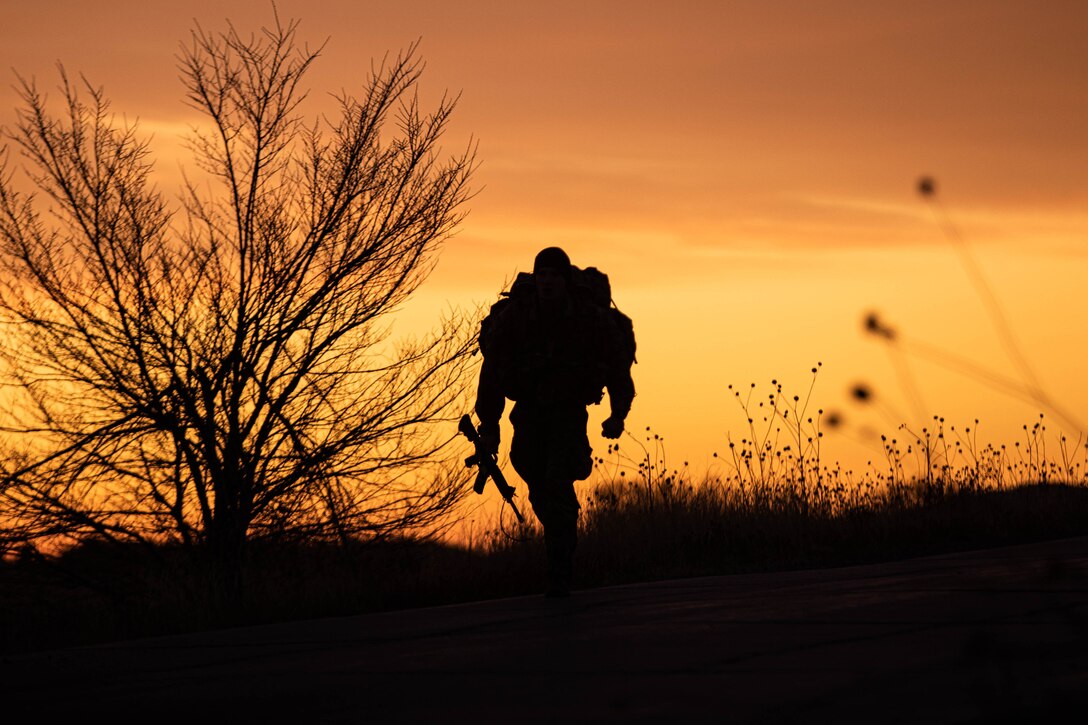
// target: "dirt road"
[[985, 636]]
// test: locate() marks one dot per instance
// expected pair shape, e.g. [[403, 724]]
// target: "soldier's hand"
[[489, 438], [612, 427]]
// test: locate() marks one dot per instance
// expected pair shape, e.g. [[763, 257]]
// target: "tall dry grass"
[[771, 501]]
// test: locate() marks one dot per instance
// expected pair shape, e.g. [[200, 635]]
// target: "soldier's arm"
[[619, 383], [490, 403], [621, 393]]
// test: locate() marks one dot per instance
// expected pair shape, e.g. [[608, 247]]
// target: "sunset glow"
[[745, 172]]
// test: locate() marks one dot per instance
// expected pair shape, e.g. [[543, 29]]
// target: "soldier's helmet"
[[554, 258]]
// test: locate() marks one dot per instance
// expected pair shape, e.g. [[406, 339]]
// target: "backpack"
[[592, 285], [588, 285]]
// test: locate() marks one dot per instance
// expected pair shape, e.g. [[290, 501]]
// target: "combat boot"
[[560, 547]]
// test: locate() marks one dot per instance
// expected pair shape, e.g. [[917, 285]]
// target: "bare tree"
[[221, 369]]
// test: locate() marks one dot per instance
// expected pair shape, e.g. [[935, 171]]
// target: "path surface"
[[986, 636]]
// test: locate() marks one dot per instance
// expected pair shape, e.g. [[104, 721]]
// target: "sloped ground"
[[981, 636]]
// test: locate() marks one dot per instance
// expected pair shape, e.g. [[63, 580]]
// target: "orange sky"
[[744, 171]]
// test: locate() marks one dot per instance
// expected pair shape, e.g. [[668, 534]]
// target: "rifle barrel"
[[488, 466]]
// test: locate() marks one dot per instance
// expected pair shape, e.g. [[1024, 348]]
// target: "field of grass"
[[773, 505], [770, 502]]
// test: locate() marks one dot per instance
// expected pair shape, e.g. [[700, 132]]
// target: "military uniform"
[[553, 362]]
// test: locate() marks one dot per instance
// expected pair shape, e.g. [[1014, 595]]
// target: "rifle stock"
[[487, 465]]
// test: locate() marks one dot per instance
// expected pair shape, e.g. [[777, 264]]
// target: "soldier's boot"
[[560, 542]]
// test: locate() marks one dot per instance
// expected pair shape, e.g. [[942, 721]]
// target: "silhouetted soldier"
[[554, 352]]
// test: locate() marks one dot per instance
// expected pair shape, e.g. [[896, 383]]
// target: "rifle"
[[487, 464]]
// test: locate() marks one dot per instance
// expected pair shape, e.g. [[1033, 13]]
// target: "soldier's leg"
[[556, 507], [550, 452], [551, 507], [574, 463]]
